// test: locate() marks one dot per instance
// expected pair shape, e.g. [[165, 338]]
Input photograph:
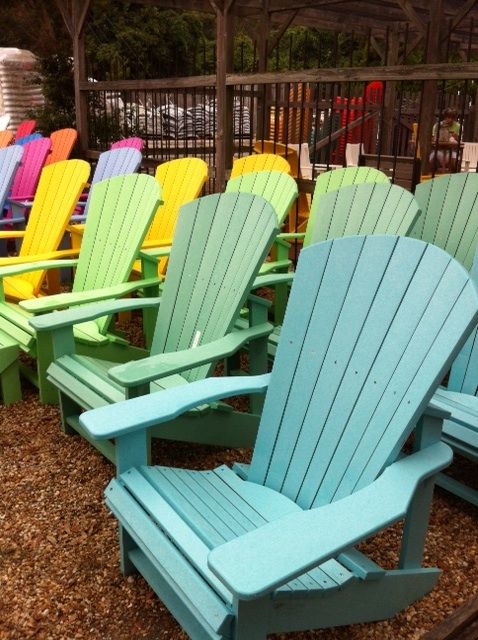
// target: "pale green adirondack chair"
[[449, 215], [219, 244], [371, 208], [336, 179], [120, 212], [372, 325], [277, 187]]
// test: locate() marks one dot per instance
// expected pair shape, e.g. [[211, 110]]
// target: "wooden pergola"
[[437, 23]]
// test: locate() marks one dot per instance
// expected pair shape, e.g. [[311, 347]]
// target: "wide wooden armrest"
[[11, 234], [436, 409], [137, 372], [287, 237], [154, 253], [70, 317], [23, 201], [18, 267], [70, 299], [78, 229], [258, 562], [271, 279], [273, 265], [153, 244], [459, 407], [128, 416]]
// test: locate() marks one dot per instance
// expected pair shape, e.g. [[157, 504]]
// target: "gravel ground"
[[59, 575]]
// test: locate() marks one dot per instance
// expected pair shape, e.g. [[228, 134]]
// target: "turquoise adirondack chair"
[[372, 325], [277, 187], [121, 211], [460, 429], [449, 215], [360, 209], [219, 244], [115, 162]]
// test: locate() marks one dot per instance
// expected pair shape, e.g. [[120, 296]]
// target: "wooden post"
[[429, 90], [263, 114], [224, 94], [390, 96], [79, 11]]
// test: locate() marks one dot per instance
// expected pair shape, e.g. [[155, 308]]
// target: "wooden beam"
[[462, 13], [65, 10], [411, 14], [282, 29], [378, 47], [79, 12]]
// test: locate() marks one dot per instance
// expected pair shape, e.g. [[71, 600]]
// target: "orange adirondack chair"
[[62, 143], [6, 138]]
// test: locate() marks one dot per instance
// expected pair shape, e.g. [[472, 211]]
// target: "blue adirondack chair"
[[29, 138], [10, 159], [112, 163], [372, 325], [460, 430]]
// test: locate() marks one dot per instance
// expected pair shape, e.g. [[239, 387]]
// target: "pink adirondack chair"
[[27, 177], [136, 143], [25, 128], [62, 143]]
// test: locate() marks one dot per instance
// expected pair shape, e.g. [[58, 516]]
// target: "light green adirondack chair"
[[121, 210], [364, 209], [277, 187], [449, 217], [219, 244], [372, 325], [325, 182], [336, 179]]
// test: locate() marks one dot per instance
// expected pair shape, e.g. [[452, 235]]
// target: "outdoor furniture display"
[[372, 326], [220, 242], [449, 216], [469, 158], [260, 162], [116, 162], [25, 128], [62, 143], [134, 143], [120, 212]]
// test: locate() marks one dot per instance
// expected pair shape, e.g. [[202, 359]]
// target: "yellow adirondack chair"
[[259, 162], [181, 181], [57, 193]]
